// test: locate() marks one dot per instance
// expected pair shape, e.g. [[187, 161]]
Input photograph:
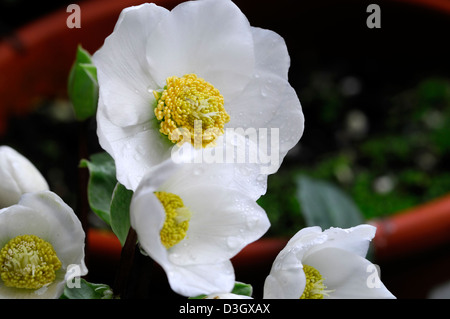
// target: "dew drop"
[[198, 171], [233, 242]]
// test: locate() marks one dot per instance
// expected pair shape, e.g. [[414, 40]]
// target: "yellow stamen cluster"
[[177, 219], [190, 109], [314, 289], [29, 262]]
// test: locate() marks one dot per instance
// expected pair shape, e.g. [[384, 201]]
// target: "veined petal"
[[223, 222], [124, 77], [210, 38], [346, 274]]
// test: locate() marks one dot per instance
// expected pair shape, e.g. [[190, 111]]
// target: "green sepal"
[[101, 184], [120, 212], [87, 290], [242, 289], [83, 85]]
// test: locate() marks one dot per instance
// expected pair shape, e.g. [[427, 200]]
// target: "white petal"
[[220, 166], [355, 239], [63, 228], [222, 223], [210, 38], [147, 217], [306, 238], [123, 74], [195, 280], [348, 275], [286, 279], [45, 215], [135, 149], [271, 54], [18, 176], [269, 101]]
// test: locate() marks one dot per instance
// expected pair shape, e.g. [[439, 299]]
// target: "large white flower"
[[192, 219], [328, 264], [41, 241], [17, 176], [162, 72]]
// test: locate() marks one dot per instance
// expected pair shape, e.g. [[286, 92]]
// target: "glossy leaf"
[[101, 185], [83, 85], [242, 289], [120, 212], [86, 290]]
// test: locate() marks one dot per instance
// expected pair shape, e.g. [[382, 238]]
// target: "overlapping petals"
[[337, 254], [212, 39], [224, 220], [45, 215]]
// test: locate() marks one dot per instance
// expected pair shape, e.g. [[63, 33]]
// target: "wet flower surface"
[[193, 229], [241, 81]]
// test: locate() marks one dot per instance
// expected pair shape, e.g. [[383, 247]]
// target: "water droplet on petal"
[[198, 171], [233, 242]]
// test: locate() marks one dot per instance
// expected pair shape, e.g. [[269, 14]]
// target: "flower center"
[[314, 289], [177, 219], [28, 262], [190, 109]]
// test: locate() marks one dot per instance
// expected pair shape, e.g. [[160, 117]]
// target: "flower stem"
[[127, 256]]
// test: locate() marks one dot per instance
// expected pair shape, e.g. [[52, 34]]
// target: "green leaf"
[[83, 85], [120, 212], [101, 185], [325, 205], [242, 289], [86, 290]]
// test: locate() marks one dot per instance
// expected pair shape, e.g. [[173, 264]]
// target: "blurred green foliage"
[[399, 161]]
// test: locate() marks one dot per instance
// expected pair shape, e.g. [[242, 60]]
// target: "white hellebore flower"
[[328, 264], [188, 75], [41, 240], [192, 219], [17, 176]]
